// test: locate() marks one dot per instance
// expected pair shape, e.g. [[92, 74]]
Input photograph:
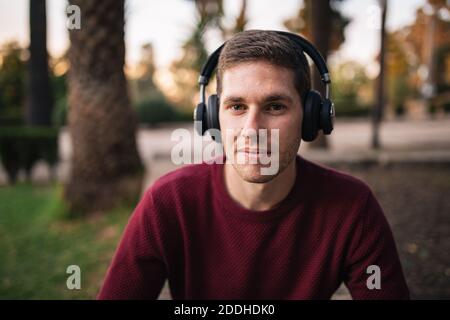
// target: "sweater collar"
[[294, 198]]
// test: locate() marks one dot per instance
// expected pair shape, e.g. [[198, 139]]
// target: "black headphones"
[[318, 113]]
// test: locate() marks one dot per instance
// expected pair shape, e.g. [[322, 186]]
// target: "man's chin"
[[253, 173]]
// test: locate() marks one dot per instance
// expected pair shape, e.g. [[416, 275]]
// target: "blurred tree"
[[320, 21], [151, 104], [302, 22], [427, 38], [378, 109], [146, 83], [416, 56], [143, 84], [186, 69], [12, 83], [241, 19], [210, 12], [352, 89], [106, 169], [210, 15], [398, 68], [240, 22], [58, 78], [443, 73], [40, 100]]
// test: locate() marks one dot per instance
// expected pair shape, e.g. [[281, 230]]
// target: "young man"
[[227, 231]]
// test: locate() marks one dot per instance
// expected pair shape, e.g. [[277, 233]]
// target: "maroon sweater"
[[187, 229]]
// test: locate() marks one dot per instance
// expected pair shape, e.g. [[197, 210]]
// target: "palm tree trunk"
[[106, 168], [321, 32], [378, 110], [40, 102]]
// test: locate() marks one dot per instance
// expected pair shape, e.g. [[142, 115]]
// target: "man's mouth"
[[254, 151]]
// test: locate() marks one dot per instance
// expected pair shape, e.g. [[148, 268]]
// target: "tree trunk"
[[40, 102], [377, 113], [106, 169], [321, 32]]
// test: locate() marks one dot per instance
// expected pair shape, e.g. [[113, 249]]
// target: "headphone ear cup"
[[311, 115], [327, 116], [200, 122], [212, 113]]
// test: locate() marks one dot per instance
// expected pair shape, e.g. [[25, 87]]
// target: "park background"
[[86, 117]]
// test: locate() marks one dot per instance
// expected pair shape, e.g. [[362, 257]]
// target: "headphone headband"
[[211, 64]]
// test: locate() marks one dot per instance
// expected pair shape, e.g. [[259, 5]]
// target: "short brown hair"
[[270, 46]]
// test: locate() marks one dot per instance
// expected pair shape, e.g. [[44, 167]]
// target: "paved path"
[[424, 140]]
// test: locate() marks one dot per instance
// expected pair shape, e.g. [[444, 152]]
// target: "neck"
[[260, 196]]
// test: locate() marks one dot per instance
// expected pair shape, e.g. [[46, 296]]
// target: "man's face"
[[259, 95]]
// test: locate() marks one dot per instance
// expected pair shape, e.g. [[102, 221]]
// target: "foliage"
[[151, 105], [185, 70], [442, 58], [301, 23], [157, 109], [398, 68], [350, 89], [58, 81], [12, 83], [21, 147]]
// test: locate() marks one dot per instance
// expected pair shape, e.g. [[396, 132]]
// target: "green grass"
[[38, 241]]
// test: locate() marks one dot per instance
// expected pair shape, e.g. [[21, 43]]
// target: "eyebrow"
[[269, 98]]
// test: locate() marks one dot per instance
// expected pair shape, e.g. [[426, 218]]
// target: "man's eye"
[[236, 107], [276, 108]]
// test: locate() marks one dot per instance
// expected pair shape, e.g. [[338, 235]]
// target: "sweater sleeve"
[[372, 266], [137, 270]]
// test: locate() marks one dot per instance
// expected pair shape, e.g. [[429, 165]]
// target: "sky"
[[166, 24]]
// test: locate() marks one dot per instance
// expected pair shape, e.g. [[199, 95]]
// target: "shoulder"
[[330, 179], [345, 202], [334, 188], [184, 182]]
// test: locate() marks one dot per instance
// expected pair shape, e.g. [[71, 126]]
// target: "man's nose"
[[252, 122]]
